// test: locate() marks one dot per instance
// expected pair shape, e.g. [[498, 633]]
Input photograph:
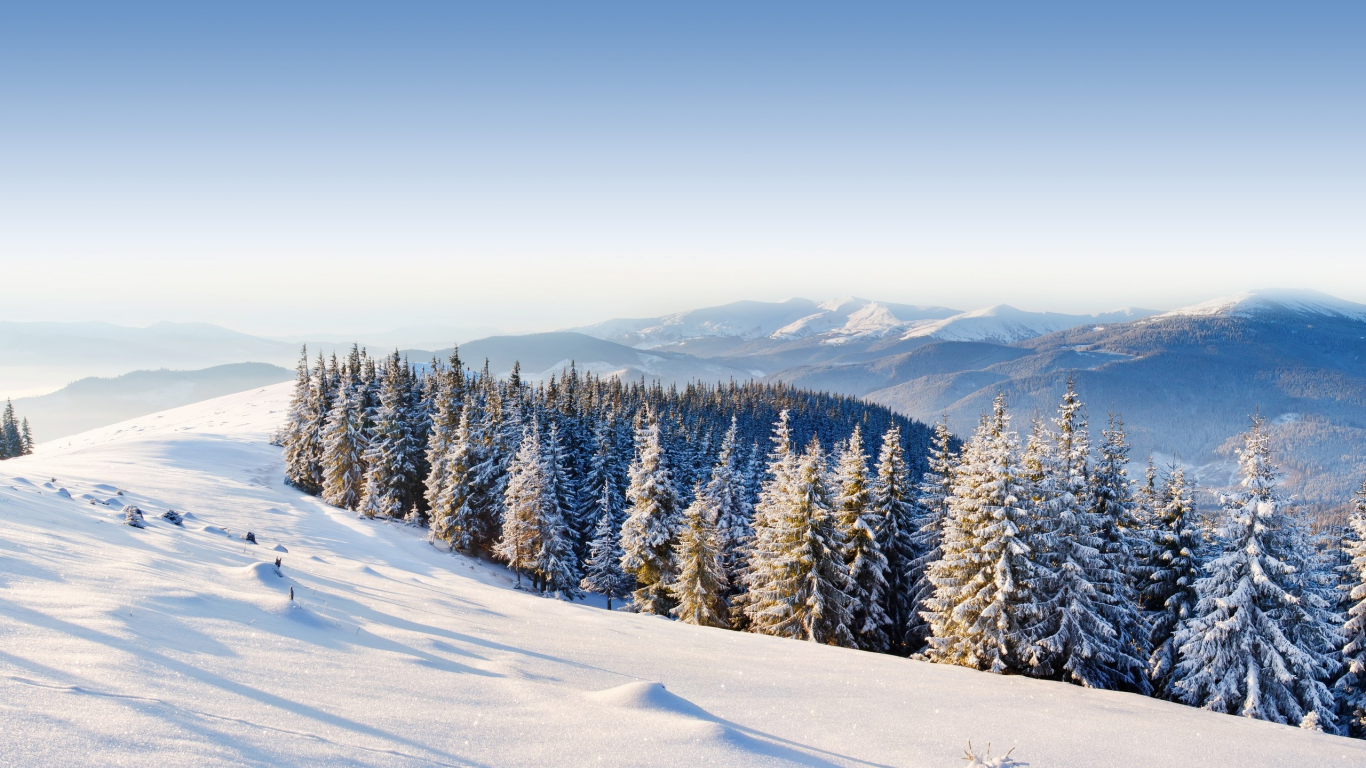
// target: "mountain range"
[[1185, 381]]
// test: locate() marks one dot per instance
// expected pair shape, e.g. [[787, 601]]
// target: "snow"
[[180, 646], [1251, 303], [1005, 324]]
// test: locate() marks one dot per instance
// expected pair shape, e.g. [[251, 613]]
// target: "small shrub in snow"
[[985, 760], [250, 538], [133, 516], [173, 517]]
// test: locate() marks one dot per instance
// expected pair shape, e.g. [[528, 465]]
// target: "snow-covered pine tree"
[[453, 517], [343, 449], [555, 563], [798, 583], [773, 495], [1082, 593], [1351, 686], [603, 573], [984, 599], [448, 396], [293, 434], [1122, 528], [560, 481], [648, 535], [523, 502], [27, 437], [1173, 570], [932, 506], [699, 588], [726, 489], [893, 509], [862, 556], [388, 459], [1239, 653]]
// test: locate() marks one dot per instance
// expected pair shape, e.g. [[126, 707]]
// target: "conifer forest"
[[1021, 548]]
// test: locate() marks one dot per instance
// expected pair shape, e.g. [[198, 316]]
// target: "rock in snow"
[[179, 644]]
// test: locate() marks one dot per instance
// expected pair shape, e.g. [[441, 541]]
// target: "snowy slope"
[[1300, 302], [1004, 324], [180, 647]]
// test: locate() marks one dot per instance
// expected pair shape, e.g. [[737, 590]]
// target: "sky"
[[292, 167]]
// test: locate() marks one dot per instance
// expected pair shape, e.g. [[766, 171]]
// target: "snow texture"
[[174, 646]]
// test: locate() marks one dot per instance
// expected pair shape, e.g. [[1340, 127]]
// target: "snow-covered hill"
[[1282, 301], [1004, 324], [180, 646]]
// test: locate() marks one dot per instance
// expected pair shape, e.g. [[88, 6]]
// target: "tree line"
[[759, 508], [15, 437]]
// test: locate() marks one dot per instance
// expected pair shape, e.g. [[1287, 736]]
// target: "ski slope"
[[179, 646]]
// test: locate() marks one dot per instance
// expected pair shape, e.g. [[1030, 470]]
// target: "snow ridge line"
[[238, 720]]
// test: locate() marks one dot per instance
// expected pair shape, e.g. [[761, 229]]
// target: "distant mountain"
[[751, 320], [1185, 383], [1005, 324], [40, 357], [96, 402], [545, 354], [406, 337]]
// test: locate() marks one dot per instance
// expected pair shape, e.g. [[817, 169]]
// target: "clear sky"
[[287, 167]]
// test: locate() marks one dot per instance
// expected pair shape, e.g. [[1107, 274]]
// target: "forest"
[[764, 508]]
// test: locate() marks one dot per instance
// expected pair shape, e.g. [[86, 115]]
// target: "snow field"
[[179, 646]]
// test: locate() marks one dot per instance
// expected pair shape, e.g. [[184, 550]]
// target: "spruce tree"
[[390, 470], [449, 401], [984, 599], [1351, 686], [772, 495], [862, 556], [1170, 596], [1079, 637], [555, 563], [343, 450], [648, 535], [293, 435], [453, 517], [1239, 653], [523, 502], [603, 573], [27, 436], [727, 492], [932, 506], [1125, 543], [798, 583], [699, 588], [893, 510]]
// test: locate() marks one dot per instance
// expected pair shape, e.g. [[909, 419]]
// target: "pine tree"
[[798, 582], [293, 433], [390, 470], [555, 563], [604, 574], [27, 436], [1078, 638], [1239, 652], [446, 415], [984, 584], [523, 501], [11, 438], [1170, 596], [773, 494], [862, 556], [932, 506], [1125, 544], [1351, 686], [893, 509], [453, 518], [699, 588], [343, 450], [727, 492], [648, 535]]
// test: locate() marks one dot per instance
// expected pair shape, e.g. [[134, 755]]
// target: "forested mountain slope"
[[183, 643]]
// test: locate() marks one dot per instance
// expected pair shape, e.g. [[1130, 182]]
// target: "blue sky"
[[291, 167]]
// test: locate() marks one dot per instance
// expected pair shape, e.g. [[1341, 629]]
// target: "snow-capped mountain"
[[368, 646], [1004, 324], [1271, 301], [753, 320]]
